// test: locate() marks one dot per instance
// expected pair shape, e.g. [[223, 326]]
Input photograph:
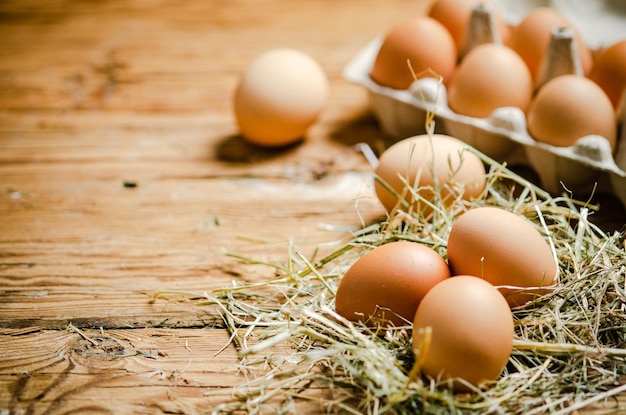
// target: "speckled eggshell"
[[505, 250], [386, 285], [471, 329]]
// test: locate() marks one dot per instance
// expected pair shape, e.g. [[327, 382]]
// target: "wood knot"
[[100, 347]]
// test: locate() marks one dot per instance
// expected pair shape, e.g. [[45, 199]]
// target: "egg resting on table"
[[279, 96]]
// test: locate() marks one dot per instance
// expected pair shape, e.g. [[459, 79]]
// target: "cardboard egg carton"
[[589, 164]]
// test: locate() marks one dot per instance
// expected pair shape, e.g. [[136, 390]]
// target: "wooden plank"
[[156, 56], [149, 370], [130, 371], [122, 175], [143, 101], [154, 370], [87, 237], [77, 218]]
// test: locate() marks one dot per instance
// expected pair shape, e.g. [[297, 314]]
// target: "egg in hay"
[[463, 329], [386, 285], [504, 249], [418, 169]]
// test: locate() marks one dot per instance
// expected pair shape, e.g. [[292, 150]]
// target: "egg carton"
[[588, 165]]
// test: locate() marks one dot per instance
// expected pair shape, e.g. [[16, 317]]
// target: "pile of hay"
[[569, 348]]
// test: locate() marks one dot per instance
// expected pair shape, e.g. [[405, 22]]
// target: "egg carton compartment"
[[503, 136]]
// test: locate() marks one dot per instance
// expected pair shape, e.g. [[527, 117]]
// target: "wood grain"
[[122, 175], [114, 371]]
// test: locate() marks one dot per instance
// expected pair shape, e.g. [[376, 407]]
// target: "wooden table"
[[122, 175]]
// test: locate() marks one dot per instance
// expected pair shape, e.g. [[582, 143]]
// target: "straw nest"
[[569, 347]]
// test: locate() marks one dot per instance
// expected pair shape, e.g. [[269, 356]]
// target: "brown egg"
[[279, 96], [386, 285], [471, 329], [609, 71], [531, 38], [490, 76], [505, 250], [455, 16], [421, 42], [424, 163], [568, 108]]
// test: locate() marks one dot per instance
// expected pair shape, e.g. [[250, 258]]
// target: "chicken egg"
[[455, 15], [505, 250], [386, 285], [609, 71], [570, 107], [490, 76], [421, 42], [415, 168], [530, 39], [463, 328], [279, 96]]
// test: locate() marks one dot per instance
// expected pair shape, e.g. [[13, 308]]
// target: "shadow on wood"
[[236, 149]]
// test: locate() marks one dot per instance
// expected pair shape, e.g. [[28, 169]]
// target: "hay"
[[569, 348]]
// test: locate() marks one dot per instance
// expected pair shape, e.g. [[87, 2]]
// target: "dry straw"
[[298, 356]]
